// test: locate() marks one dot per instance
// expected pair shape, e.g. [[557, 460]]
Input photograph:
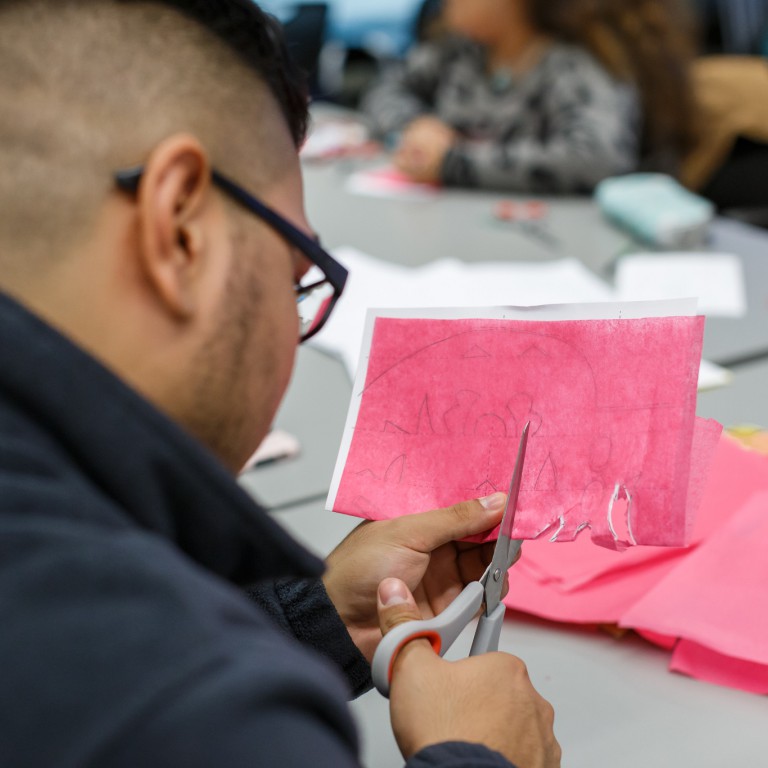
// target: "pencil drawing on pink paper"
[[611, 406]]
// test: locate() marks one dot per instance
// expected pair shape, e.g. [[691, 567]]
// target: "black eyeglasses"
[[319, 289]]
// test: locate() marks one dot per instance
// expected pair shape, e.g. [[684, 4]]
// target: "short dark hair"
[[88, 86], [257, 38]]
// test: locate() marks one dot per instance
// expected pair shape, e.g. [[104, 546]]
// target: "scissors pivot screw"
[[497, 574]]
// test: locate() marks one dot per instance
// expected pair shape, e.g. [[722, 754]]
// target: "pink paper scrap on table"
[[390, 182], [613, 446], [703, 663], [716, 597]]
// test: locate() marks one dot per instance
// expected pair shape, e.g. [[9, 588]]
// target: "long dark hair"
[[650, 42]]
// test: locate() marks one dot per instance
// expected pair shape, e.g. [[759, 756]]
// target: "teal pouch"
[[656, 209]]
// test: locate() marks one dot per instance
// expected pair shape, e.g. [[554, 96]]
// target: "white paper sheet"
[[712, 376], [717, 279], [447, 283], [451, 283], [387, 183], [333, 138]]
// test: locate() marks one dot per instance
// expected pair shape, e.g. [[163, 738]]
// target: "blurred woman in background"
[[541, 96]]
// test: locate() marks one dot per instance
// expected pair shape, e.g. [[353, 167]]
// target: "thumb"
[[395, 604], [468, 518], [397, 607]]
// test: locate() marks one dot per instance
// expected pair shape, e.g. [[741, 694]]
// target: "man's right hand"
[[485, 699]]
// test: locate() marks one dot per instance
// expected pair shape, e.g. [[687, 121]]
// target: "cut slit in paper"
[[438, 413]]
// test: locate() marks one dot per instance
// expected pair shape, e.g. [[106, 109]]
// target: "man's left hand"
[[421, 549]]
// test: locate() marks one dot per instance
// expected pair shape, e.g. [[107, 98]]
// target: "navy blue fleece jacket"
[[126, 550]]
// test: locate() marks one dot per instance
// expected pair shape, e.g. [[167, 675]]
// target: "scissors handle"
[[440, 630], [488, 631]]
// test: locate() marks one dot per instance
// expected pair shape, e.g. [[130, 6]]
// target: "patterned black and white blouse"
[[561, 127]]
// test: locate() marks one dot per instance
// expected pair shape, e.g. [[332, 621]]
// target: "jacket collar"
[[161, 478]]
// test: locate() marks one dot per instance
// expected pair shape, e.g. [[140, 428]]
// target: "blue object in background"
[[734, 26], [383, 28]]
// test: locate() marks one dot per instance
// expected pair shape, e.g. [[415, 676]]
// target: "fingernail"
[[393, 592], [494, 502]]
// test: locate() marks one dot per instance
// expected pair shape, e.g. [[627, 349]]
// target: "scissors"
[[443, 629]]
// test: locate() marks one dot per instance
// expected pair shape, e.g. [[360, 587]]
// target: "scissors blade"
[[506, 547]]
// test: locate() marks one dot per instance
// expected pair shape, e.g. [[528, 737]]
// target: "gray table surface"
[[461, 225], [729, 341], [617, 704], [314, 410], [455, 224], [744, 401]]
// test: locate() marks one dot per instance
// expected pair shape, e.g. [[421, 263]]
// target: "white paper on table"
[[277, 445], [712, 376], [717, 279], [383, 183], [328, 139], [447, 282], [552, 312]]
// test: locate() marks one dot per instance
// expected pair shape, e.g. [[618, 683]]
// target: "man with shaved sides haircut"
[[157, 270]]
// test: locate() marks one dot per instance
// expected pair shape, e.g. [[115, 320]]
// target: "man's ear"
[[174, 199]]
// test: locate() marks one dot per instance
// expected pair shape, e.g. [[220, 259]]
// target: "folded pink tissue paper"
[[703, 602], [703, 663], [716, 597]]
